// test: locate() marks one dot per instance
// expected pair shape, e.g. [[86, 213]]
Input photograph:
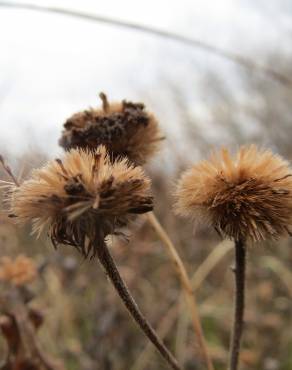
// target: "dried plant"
[[249, 196], [245, 197], [126, 129], [81, 200], [129, 131]]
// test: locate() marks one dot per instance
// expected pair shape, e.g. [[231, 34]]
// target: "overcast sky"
[[52, 65]]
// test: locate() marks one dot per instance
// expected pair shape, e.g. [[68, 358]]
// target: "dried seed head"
[[248, 196], [82, 199], [18, 272], [125, 128]]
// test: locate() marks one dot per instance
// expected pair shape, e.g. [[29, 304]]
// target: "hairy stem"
[[109, 265], [186, 284], [240, 261]]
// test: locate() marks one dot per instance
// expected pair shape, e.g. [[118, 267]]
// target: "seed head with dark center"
[[248, 196], [81, 199], [126, 129]]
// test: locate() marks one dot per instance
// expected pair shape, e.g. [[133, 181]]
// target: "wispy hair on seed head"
[[82, 198], [246, 196]]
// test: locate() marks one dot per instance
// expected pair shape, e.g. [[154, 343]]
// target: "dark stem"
[[109, 265], [240, 261], [105, 103]]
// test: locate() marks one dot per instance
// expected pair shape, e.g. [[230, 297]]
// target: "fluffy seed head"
[[247, 196], [126, 129], [18, 272], [81, 199]]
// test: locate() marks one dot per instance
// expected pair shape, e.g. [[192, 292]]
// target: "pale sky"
[[52, 65]]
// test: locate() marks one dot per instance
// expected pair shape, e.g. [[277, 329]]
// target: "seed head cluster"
[[18, 272], [82, 199], [126, 129], [246, 196]]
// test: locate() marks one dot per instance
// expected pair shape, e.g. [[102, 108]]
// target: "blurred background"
[[227, 83]]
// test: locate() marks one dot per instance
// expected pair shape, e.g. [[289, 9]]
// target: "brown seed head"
[[126, 129], [248, 196], [82, 199], [20, 271]]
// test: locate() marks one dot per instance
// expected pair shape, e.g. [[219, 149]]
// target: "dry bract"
[[81, 199], [126, 129], [248, 195]]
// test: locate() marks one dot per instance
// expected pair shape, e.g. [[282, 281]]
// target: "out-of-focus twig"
[[186, 285], [238, 59], [181, 332], [210, 262], [18, 324], [8, 170], [197, 279]]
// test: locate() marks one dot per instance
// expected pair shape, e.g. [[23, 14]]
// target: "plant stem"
[[186, 284], [226, 54], [240, 262], [110, 267], [8, 170]]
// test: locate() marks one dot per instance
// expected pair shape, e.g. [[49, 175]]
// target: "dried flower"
[[18, 272], [82, 199], [125, 128], [248, 196]]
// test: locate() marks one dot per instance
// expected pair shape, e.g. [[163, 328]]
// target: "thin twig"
[[240, 261], [197, 280], [109, 265], [235, 58], [186, 284], [8, 170], [210, 262]]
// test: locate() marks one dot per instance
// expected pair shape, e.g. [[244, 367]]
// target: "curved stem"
[[186, 284], [109, 265], [223, 53], [240, 261]]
